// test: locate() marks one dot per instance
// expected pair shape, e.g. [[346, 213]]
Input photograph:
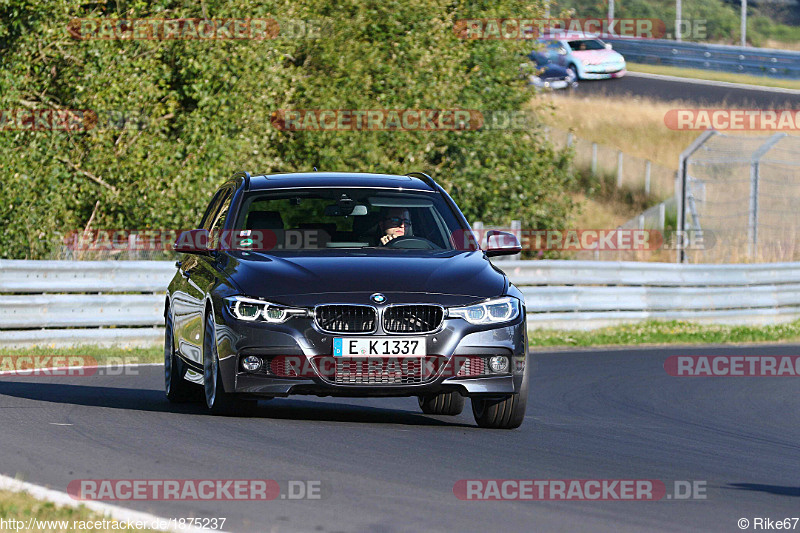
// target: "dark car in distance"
[[549, 75], [344, 284]]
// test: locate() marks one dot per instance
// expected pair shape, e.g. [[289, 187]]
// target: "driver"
[[395, 222]]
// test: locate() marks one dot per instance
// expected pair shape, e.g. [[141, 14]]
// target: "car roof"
[[568, 36], [338, 179]]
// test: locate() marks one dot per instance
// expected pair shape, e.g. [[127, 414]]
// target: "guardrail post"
[[755, 174], [594, 159], [752, 223], [662, 215], [619, 169], [743, 29], [647, 178], [569, 139]]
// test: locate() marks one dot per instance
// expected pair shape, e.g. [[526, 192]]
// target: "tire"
[[444, 403], [575, 70], [502, 413], [178, 389], [218, 401]]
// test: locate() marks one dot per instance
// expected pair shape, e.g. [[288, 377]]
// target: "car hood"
[[287, 277], [598, 57]]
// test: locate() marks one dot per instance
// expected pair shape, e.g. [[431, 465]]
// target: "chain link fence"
[[746, 190], [627, 171]]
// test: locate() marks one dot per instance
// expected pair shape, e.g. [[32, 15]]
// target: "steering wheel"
[[411, 242]]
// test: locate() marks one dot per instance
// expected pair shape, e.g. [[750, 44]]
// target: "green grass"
[[672, 332], [23, 507], [714, 75], [101, 355]]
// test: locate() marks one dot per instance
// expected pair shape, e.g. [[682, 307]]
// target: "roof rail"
[[424, 177], [245, 176]]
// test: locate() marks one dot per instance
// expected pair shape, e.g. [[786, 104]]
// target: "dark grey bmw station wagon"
[[344, 284]]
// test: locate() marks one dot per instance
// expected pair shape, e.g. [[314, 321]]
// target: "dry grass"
[[595, 214], [781, 45], [633, 125]]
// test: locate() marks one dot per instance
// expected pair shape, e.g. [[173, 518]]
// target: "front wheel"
[[502, 413], [218, 401], [178, 389], [444, 403], [574, 69]]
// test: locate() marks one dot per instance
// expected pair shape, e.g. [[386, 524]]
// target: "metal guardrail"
[[46, 302], [745, 60], [84, 276], [61, 303], [593, 294]]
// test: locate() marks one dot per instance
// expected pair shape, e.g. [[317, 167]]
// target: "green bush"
[[208, 106]]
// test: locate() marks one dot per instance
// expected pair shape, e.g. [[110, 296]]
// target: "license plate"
[[378, 346]]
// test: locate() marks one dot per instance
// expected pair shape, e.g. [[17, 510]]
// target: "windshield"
[[340, 218], [586, 44]]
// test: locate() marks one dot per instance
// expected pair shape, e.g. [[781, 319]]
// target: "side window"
[[217, 220], [205, 223], [222, 213], [552, 49]]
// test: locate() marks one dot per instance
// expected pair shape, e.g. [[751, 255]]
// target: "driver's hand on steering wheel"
[[386, 238]]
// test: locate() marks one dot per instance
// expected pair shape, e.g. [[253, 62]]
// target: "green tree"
[[206, 108]]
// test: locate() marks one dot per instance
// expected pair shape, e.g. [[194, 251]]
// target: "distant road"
[[695, 92]]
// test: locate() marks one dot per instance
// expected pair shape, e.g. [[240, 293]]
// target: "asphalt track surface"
[[690, 92], [385, 467]]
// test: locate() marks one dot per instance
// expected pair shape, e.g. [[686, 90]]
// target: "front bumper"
[[300, 339], [603, 72]]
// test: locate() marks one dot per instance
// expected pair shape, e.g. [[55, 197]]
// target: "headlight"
[[489, 312], [258, 310]]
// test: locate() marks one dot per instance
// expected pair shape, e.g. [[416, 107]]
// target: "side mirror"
[[194, 241], [501, 243], [608, 46], [562, 51]]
